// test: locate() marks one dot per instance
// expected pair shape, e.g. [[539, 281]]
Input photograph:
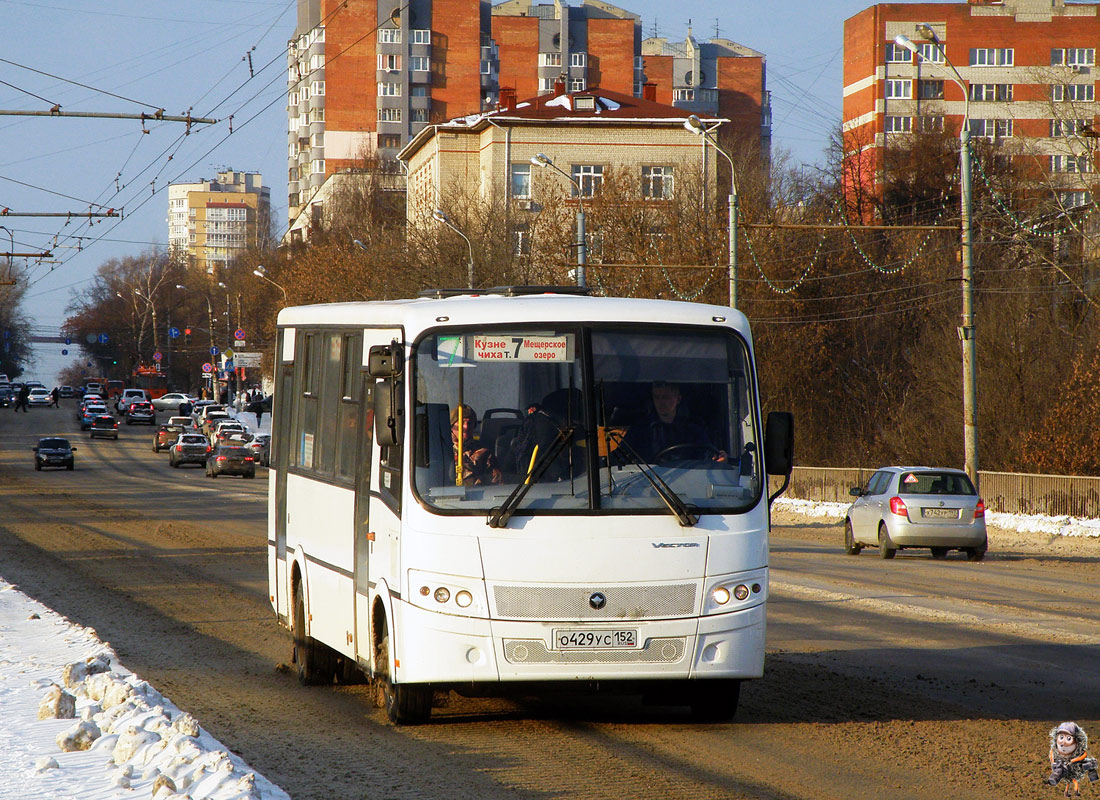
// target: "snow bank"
[[106, 734], [1022, 523]]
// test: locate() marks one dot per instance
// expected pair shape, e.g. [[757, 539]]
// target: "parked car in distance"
[[103, 426], [65, 391], [166, 435], [90, 412], [129, 396], [230, 459], [140, 411], [905, 507], [189, 448], [53, 451], [39, 396], [172, 401], [261, 448]]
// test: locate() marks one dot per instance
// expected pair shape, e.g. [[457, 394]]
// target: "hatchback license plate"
[[566, 639], [941, 513]]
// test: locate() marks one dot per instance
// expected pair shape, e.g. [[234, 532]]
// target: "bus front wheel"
[[314, 665], [714, 700], [406, 704]]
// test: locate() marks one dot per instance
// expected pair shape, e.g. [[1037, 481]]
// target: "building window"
[[589, 177], [549, 59], [1074, 92], [420, 63], [991, 56], [577, 84], [316, 61], [931, 124], [1068, 127], [389, 90], [486, 67], [389, 140], [420, 115], [317, 88], [1070, 164], [899, 90], [389, 115], [316, 115], [419, 91], [317, 140], [292, 99], [899, 124], [421, 36], [931, 52], [546, 85], [683, 95], [930, 90], [657, 183], [991, 92], [896, 54], [991, 128], [578, 59], [317, 165], [390, 62], [1072, 199], [389, 36], [521, 181], [1072, 56]]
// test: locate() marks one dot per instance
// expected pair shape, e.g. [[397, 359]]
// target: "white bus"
[[522, 488]]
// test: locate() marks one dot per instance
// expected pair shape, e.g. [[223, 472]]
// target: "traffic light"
[[187, 336]]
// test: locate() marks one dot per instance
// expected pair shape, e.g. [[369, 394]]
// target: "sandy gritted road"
[[908, 678]]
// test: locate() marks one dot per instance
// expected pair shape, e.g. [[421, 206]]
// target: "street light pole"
[[695, 125], [542, 160], [967, 332], [260, 272], [439, 216]]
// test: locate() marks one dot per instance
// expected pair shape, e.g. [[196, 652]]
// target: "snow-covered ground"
[[139, 741]]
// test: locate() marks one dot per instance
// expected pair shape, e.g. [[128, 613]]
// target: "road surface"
[[909, 678]]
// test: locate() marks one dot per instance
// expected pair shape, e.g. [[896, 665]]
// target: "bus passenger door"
[[363, 535], [280, 439]]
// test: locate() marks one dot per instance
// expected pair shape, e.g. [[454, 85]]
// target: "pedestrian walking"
[[257, 408], [21, 399], [54, 395]]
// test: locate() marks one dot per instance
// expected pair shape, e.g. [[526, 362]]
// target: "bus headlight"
[[442, 594], [448, 594], [464, 599], [736, 592]]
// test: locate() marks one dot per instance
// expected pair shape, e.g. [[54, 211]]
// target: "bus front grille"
[[559, 603], [534, 651]]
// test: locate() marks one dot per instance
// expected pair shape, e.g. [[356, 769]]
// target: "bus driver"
[[664, 428]]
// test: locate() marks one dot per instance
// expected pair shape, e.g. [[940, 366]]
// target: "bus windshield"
[[589, 418]]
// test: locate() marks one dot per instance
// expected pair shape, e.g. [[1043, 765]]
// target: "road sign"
[[229, 365], [207, 367], [214, 351], [247, 359], [102, 338], [64, 352], [239, 334], [208, 374], [68, 340], [157, 356], [173, 333], [228, 354]]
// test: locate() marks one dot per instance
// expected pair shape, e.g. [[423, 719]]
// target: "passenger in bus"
[[479, 466], [666, 427]]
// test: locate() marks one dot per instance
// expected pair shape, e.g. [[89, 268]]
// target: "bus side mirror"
[[384, 360], [388, 412], [779, 443]]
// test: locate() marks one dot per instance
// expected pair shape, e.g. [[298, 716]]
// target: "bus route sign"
[[505, 347]]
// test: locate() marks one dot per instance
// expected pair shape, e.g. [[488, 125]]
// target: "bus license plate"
[[941, 513], [566, 639]]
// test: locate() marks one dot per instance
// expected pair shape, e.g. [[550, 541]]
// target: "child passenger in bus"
[[478, 465]]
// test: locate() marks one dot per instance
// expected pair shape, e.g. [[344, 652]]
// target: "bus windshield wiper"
[[686, 514], [499, 516]]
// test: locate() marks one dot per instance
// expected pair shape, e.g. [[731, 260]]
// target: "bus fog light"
[[721, 595], [464, 599], [741, 591], [425, 591], [442, 594]]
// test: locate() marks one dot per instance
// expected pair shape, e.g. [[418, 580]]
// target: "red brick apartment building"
[[1029, 67], [365, 76]]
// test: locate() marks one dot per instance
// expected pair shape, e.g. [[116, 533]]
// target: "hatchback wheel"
[[975, 553], [939, 552], [886, 547], [850, 546]]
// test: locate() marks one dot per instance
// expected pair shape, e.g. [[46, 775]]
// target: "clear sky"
[[140, 55]]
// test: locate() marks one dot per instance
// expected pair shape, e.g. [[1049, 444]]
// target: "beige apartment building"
[[585, 134], [210, 222]]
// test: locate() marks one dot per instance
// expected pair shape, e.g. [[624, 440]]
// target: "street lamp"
[[133, 326], [260, 272], [695, 125], [228, 332], [439, 216], [153, 311], [209, 328], [542, 160], [967, 332]]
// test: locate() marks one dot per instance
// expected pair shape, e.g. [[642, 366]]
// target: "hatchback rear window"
[[934, 483], [53, 444]]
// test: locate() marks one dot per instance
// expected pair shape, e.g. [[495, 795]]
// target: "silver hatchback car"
[[902, 507]]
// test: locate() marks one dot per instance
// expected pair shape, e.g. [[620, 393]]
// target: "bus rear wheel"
[[315, 667], [405, 704]]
